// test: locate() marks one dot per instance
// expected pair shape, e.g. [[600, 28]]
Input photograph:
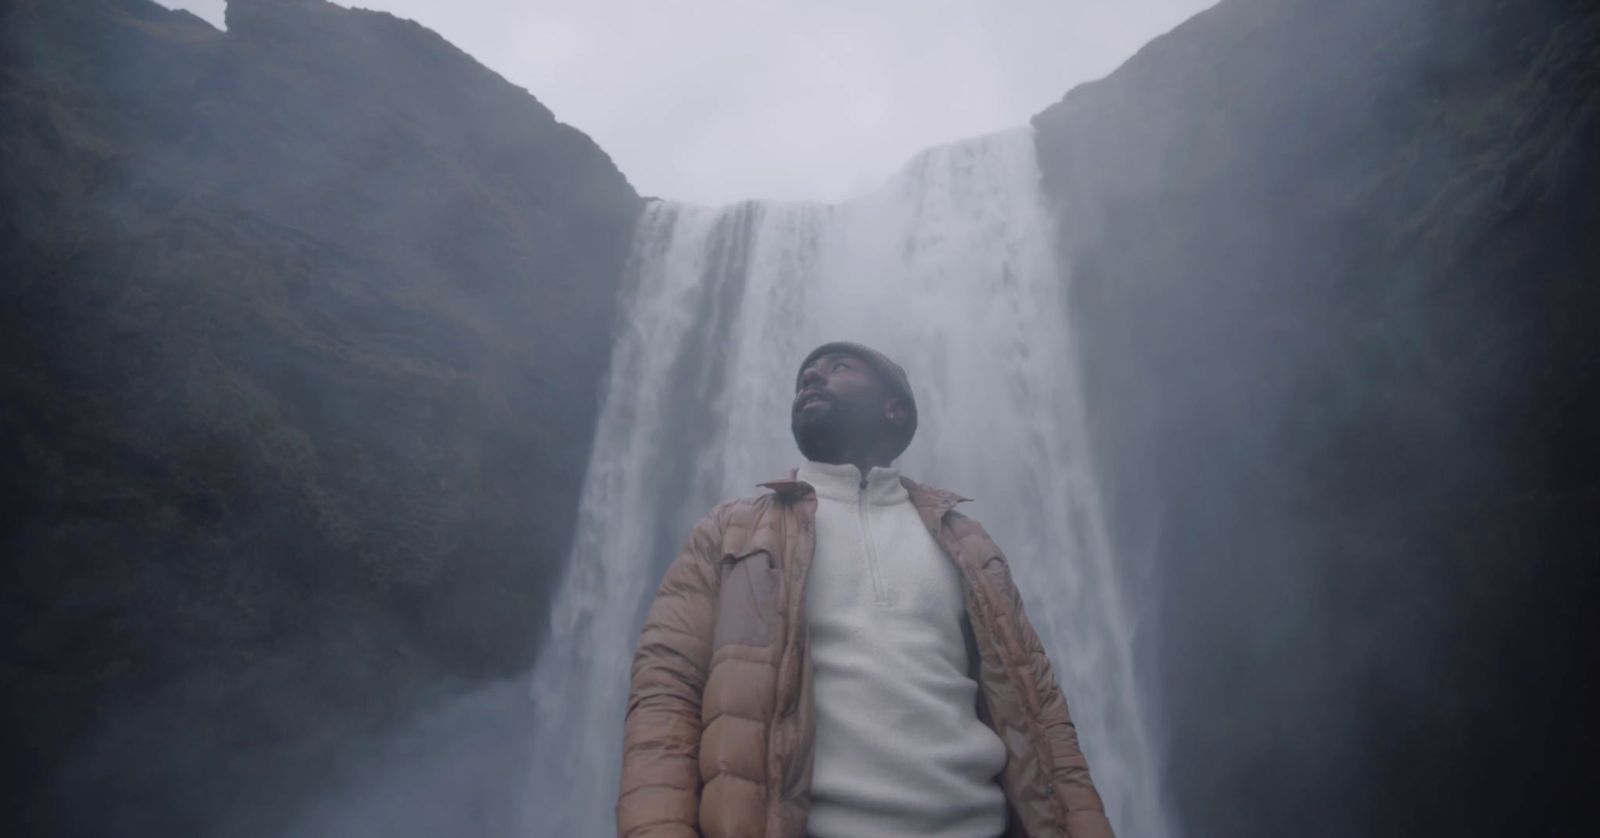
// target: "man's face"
[[839, 407]]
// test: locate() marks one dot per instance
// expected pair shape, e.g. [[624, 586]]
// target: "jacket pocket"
[[747, 601]]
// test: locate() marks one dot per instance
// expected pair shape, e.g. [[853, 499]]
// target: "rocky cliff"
[[1332, 268], [301, 325], [300, 334]]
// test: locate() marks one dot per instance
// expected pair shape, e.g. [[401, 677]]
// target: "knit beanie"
[[894, 378]]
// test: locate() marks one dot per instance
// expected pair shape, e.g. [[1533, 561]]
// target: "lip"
[[808, 399]]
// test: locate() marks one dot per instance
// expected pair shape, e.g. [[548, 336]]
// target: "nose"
[[808, 376]]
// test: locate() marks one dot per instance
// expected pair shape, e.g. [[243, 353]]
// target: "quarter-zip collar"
[[931, 503], [880, 486]]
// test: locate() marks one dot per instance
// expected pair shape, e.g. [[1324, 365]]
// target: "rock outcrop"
[[301, 331], [1333, 273]]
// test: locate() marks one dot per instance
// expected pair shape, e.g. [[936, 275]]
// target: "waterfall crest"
[[950, 269]]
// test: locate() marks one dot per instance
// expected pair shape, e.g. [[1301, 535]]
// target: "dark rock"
[[302, 329], [1333, 273]]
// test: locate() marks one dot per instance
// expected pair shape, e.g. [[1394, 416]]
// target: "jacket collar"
[[924, 498]]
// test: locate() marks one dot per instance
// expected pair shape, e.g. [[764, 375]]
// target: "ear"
[[894, 409]]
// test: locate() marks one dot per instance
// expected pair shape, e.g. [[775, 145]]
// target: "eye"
[[838, 365]]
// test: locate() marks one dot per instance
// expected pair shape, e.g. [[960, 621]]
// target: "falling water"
[[949, 268]]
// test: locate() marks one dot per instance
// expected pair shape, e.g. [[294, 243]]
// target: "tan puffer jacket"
[[719, 731]]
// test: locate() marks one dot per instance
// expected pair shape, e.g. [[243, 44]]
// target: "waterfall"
[[950, 269]]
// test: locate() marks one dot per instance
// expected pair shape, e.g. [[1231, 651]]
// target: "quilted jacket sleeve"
[[1086, 816], [660, 791]]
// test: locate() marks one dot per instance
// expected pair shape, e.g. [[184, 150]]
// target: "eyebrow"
[[828, 358]]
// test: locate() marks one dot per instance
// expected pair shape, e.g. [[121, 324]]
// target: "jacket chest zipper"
[[878, 595]]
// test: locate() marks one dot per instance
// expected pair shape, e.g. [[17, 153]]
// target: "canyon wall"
[[301, 334], [1332, 274]]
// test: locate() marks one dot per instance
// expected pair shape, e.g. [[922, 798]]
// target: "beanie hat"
[[894, 379]]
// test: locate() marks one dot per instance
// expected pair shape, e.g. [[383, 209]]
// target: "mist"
[[355, 391]]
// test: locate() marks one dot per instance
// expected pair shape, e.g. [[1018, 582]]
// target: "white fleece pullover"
[[899, 747]]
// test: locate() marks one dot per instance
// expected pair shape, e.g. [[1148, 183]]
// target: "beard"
[[836, 431]]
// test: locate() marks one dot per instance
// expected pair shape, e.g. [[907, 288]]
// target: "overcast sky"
[[718, 100]]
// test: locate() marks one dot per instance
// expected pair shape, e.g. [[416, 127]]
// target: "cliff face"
[[300, 342], [301, 327], [1332, 267]]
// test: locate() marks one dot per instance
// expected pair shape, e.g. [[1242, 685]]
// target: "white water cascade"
[[948, 268]]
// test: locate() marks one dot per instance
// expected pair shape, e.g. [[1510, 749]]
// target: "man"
[[846, 655]]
